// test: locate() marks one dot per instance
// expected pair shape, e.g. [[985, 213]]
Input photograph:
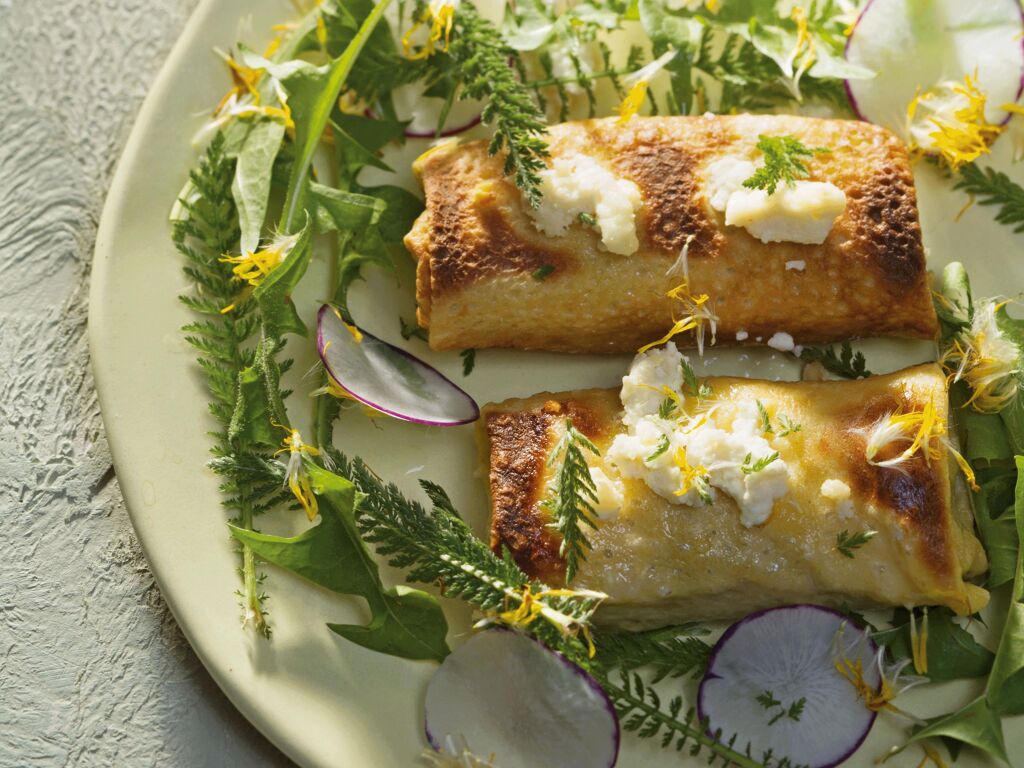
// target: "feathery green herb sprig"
[[641, 711], [668, 652], [207, 230], [783, 162], [847, 542], [480, 58], [572, 497], [992, 187], [437, 547], [846, 364], [750, 466]]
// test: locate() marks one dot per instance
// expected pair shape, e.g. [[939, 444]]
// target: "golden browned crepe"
[[662, 563], [477, 248]]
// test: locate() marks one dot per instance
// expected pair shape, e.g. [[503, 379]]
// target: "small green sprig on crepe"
[[783, 162], [663, 445], [542, 272], [847, 364], [847, 542], [692, 386], [789, 426], [766, 420], [667, 408], [572, 496], [750, 466], [992, 187]]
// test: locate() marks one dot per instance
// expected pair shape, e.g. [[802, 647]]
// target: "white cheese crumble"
[[742, 335], [719, 440], [803, 212], [724, 177], [576, 184], [834, 489], [781, 341], [798, 264], [839, 492], [608, 492]]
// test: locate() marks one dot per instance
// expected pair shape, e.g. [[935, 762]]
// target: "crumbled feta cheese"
[[798, 264], [608, 492], [834, 489], [839, 492], [649, 374], [742, 335], [799, 213], [781, 341], [724, 177], [718, 441], [576, 184]]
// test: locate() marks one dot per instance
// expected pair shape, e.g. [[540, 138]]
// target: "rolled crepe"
[[488, 277], [662, 562]]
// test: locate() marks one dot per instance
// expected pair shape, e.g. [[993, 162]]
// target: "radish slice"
[[423, 112], [918, 46], [386, 378], [504, 694], [772, 680]]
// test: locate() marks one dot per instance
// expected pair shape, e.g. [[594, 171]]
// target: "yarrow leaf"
[[783, 162], [572, 497]]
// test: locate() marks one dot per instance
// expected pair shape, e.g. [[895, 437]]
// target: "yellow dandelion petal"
[[954, 125], [321, 30], [699, 316], [630, 105]]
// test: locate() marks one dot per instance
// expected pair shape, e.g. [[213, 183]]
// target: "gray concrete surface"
[[93, 669]]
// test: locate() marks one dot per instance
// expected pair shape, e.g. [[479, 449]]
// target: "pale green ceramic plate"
[[322, 701]]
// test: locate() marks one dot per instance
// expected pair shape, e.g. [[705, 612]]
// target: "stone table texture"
[[93, 669]]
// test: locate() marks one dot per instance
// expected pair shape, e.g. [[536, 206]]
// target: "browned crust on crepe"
[[477, 247], [925, 541]]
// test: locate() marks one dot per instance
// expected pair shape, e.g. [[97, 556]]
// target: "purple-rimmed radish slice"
[[423, 113], [504, 694], [917, 46], [386, 378], [772, 680]]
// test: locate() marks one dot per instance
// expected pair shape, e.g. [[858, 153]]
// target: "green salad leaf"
[[313, 93], [980, 722], [253, 175], [404, 622], [273, 294], [953, 652], [339, 210]]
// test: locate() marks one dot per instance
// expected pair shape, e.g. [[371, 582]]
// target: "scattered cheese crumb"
[[781, 341], [798, 264], [839, 492], [742, 335], [835, 489]]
